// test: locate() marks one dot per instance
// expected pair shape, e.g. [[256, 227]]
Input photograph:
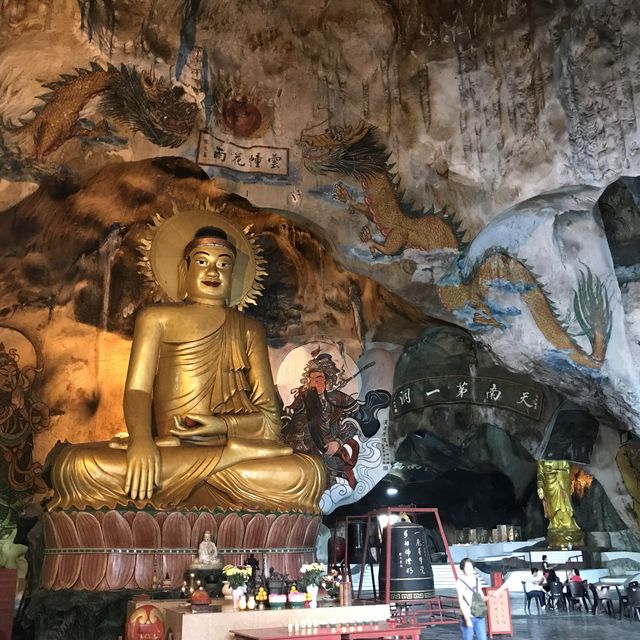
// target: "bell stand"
[[388, 511], [365, 554]]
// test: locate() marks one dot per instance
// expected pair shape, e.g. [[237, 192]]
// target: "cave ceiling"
[[476, 159]]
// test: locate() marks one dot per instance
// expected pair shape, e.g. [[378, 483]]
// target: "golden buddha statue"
[[554, 489], [200, 404]]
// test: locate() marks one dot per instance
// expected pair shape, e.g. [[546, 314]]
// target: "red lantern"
[[145, 623]]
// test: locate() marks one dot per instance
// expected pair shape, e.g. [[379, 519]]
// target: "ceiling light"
[[392, 491]]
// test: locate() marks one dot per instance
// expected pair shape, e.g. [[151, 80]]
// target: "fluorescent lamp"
[[383, 519]]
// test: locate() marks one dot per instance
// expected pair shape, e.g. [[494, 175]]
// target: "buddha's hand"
[[541, 494], [199, 425], [143, 468]]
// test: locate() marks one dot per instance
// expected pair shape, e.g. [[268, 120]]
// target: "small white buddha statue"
[[207, 554]]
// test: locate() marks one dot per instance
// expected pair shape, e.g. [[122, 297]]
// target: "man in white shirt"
[[533, 585]]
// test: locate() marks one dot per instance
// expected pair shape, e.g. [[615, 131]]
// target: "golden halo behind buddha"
[[162, 250]]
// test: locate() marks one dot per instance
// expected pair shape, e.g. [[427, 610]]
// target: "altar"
[[217, 625]]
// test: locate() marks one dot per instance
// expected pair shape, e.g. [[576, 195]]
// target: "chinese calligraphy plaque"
[[456, 389], [272, 161]]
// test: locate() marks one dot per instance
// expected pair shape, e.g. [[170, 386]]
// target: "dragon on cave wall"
[[497, 272], [357, 152], [139, 100], [469, 293]]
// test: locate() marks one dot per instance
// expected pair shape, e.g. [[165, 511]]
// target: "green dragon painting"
[[590, 311]]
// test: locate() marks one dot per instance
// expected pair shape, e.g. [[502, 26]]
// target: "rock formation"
[[474, 163]]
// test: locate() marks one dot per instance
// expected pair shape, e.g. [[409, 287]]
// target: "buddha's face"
[[209, 275]]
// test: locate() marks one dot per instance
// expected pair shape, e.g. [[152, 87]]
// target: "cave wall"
[[454, 409], [457, 154], [71, 291], [454, 152]]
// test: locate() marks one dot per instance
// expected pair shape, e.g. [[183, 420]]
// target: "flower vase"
[[235, 596], [226, 590], [312, 590]]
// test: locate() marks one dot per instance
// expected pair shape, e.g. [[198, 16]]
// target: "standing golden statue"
[[554, 489], [200, 404]]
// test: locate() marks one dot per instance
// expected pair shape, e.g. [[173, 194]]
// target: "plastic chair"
[[528, 598], [601, 600], [556, 596], [623, 597], [577, 594], [633, 601]]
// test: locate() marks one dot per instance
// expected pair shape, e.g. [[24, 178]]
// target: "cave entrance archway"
[[485, 479], [619, 207]]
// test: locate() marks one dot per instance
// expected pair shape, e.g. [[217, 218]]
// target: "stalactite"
[[321, 261], [423, 92], [365, 100], [630, 123], [111, 25], [386, 89], [358, 313], [107, 254]]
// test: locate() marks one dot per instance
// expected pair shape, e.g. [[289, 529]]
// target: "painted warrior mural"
[[324, 420]]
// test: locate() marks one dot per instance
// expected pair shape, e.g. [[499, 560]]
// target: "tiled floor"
[[552, 625], [562, 627]]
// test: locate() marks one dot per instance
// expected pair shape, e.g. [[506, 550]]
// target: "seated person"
[[556, 595], [551, 578], [533, 585], [576, 577], [200, 405], [207, 554], [633, 581]]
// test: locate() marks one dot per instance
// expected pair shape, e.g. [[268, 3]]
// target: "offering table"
[[185, 625]]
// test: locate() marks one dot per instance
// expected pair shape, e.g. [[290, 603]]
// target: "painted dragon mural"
[[496, 271], [469, 289], [358, 153], [137, 99]]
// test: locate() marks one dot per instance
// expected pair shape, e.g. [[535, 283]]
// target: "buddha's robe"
[[225, 373]]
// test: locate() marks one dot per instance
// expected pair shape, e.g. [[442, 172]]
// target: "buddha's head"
[[193, 254], [206, 271]]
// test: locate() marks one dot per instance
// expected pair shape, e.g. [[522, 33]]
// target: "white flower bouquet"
[[312, 573]]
